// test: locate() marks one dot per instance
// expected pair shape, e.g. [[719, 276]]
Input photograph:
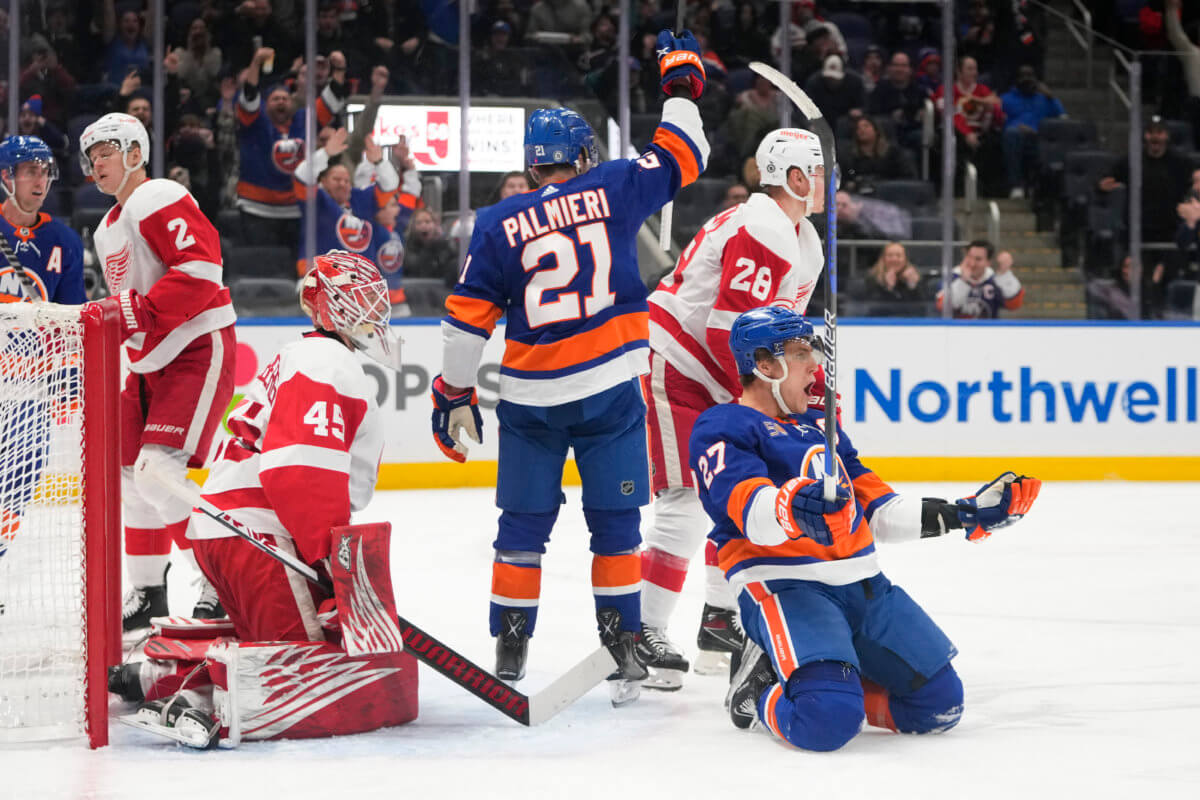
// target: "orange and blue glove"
[[802, 510], [456, 418], [997, 504], [678, 60]]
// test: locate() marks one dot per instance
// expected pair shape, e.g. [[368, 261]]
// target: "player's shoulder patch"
[[326, 360], [154, 195], [766, 223]]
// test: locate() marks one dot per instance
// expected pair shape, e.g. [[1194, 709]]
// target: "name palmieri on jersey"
[[556, 212]]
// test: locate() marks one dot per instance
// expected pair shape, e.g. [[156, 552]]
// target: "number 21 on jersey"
[[567, 306]]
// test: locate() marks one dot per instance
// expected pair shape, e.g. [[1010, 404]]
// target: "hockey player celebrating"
[[561, 263], [162, 262], [302, 453], [761, 252], [838, 636], [50, 252]]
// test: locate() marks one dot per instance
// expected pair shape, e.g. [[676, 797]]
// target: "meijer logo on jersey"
[[1002, 396]]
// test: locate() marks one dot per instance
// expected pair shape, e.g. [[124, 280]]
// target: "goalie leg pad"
[[362, 583], [301, 690]]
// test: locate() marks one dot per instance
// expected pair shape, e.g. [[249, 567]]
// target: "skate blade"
[[663, 680], [711, 662], [623, 692], [184, 737]]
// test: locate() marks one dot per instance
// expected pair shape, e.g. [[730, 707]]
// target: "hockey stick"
[[820, 126], [434, 653], [26, 282], [666, 218]]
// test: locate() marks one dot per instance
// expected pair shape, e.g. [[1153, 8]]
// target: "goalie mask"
[[345, 293], [785, 148]]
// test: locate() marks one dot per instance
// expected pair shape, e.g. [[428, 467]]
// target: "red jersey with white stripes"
[[303, 448], [747, 256], [161, 246]]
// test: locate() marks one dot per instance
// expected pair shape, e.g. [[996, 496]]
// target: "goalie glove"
[[679, 60], [997, 504], [802, 510], [454, 416]]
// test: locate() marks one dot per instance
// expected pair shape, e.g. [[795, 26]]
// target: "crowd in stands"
[[235, 83]]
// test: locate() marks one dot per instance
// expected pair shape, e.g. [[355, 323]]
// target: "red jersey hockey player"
[[303, 453], [162, 263], [761, 252]]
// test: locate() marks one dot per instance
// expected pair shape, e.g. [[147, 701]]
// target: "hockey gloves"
[[997, 504], [131, 310], [802, 510], [454, 416], [679, 59]]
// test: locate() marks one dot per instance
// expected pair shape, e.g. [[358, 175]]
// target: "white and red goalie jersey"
[[747, 256], [303, 449], [159, 245]]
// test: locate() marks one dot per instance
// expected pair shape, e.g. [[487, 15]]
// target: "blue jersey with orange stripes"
[[52, 255], [736, 452], [561, 263], [353, 229]]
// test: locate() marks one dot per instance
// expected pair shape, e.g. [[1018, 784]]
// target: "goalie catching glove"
[[453, 416]]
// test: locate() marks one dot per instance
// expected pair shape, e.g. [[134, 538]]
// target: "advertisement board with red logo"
[[496, 135]]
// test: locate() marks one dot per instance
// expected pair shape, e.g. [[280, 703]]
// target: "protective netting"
[[43, 616]]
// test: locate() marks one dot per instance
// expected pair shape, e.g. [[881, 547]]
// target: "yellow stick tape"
[[447, 475]]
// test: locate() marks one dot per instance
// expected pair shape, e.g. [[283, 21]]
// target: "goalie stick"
[[26, 282], [526, 709], [820, 126]]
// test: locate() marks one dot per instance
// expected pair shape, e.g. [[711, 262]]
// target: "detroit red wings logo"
[[116, 266], [354, 233], [390, 256], [286, 155]]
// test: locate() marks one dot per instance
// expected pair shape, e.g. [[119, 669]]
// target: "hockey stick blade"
[[424, 646]]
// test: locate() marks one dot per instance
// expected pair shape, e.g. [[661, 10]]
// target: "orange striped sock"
[[877, 706]]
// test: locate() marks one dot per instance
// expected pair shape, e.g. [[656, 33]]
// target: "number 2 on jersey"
[[566, 267]]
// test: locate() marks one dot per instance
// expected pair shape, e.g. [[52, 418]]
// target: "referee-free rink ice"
[[1079, 639]]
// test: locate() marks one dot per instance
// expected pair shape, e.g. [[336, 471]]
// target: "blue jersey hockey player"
[[50, 252], [830, 638], [560, 262]]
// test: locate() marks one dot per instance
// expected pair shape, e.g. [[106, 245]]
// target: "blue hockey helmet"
[[18, 149], [583, 138], [767, 328], [557, 136]]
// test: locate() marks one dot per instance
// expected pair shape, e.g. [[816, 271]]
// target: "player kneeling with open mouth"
[[302, 453]]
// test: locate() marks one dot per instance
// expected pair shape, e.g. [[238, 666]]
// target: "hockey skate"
[[720, 640], [139, 606], [512, 647], [663, 660], [624, 685], [125, 681], [752, 679], [208, 605], [176, 719]]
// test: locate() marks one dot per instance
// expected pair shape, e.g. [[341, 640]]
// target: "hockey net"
[[59, 521]]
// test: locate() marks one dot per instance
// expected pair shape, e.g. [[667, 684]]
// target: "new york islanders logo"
[[286, 155], [12, 290], [116, 266], [354, 233], [390, 256]]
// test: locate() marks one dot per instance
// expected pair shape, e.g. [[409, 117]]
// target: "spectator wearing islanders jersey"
[[271, 145], [979, 292], [391, 217], [560, 262], [345, 215]]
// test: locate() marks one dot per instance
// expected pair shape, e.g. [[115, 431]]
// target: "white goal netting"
[[43, 614]]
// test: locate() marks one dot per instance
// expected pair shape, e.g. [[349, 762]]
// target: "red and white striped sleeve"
[[306, 461]]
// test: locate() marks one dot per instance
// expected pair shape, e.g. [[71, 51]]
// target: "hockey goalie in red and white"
[[302, 454], [761, 252], [162, 262]]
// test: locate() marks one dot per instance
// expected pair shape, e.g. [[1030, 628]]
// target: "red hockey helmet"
[[345, 293]]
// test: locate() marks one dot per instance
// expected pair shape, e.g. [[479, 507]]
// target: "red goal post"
[[60, 516]]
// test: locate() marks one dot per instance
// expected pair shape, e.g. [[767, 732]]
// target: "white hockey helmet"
[[785, 148], [344, 293], [123, 131]]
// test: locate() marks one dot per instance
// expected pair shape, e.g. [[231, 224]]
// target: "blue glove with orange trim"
[[997, 504], [678, 60], [453, 416], [802, 510]]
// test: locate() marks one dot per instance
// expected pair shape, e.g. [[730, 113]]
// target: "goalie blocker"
[[358, 679]]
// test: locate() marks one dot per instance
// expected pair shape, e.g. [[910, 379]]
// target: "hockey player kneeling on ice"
[[830, 639], [302, 453]]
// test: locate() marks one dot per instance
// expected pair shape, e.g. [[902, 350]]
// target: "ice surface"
[[1079, 632]]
